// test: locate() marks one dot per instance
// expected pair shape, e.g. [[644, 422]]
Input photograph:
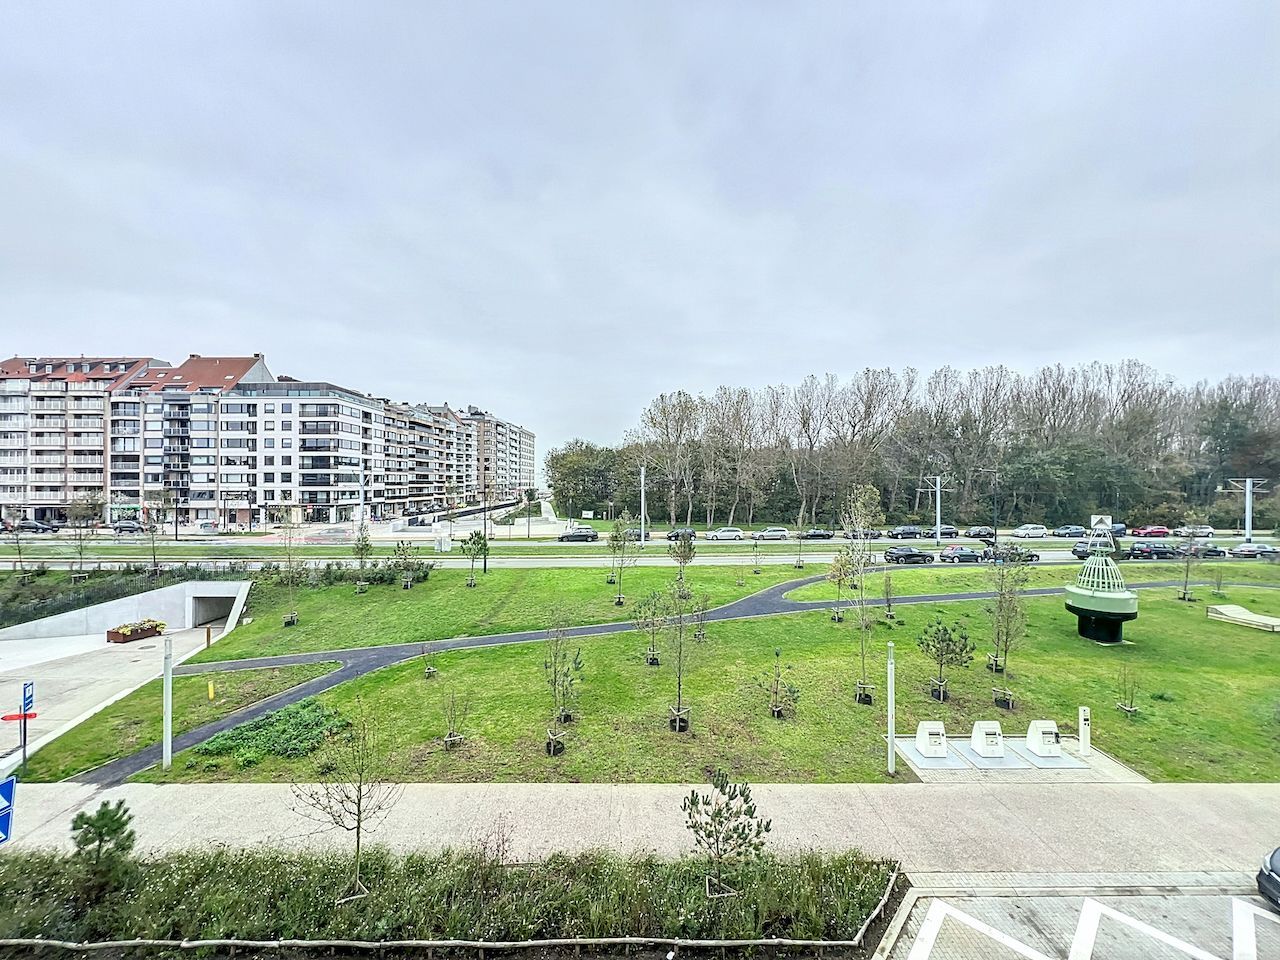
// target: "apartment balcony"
[[177, 432], [177, 413], [47, 440], [88, 479], [49, 459], [88, 440], [87, 405], [48, 423], [48, 406], [87, 423], [171, 448], [48, 387], [47, 496], [86, 460], [123, 431]]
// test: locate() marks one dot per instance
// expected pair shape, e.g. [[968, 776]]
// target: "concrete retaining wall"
[[180, 606]]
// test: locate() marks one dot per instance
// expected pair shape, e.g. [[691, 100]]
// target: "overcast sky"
[[559, 210]]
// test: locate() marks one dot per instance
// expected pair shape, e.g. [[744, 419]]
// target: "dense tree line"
[[1053, 446]]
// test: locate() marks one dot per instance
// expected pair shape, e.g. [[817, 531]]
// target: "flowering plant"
[[127, 629]]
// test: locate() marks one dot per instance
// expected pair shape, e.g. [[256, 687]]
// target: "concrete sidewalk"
[[1009, 828], [71, 688]]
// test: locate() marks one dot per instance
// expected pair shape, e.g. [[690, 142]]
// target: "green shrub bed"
[[268, 895]]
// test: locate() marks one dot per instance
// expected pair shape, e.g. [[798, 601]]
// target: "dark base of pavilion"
[[1100, 626]]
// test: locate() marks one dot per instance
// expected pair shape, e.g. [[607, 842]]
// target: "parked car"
[[1269, 878], [1069, 530], [679, 532], [208, 526], [1252, 550], [1205, 549], [581, 534], [128, 526], [725, 533], [1151, 530], [905, 532], [959, 554], [1008, 553], [1030, 531], [1119, 530], [36, 526], [1199, 530], [771, 533], [1151, 551], [905, 554], [946, 530], [817, 533], [1081, 550], [863, 534], [980, 533]]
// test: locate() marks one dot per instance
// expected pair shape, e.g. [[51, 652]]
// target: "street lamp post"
[[995, 504]]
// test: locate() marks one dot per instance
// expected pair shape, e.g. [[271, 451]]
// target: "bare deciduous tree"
[[350, 792]]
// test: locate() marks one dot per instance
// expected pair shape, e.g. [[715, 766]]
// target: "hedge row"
[[451, 895]]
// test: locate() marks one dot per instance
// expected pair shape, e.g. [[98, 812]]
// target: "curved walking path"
[[357, 661]]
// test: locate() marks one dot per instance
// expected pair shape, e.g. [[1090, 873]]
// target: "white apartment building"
[[506, 456], [223, 440], [53, 432]]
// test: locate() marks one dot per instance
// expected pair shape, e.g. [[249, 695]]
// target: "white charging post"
[[1085, 735], [889, 685]]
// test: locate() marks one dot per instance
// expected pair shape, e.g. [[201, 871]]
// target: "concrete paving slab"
[[1010, 761], [906, 748], [1018, 745]]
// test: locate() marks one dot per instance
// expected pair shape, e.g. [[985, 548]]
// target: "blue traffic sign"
[[7, 788], [28, 696]]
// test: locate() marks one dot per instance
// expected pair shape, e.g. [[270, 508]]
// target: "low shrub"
[[291, 732], [268, 894]]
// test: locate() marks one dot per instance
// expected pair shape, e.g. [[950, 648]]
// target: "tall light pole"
[[1248, 485], [995, 504], [167, 732], [644, 516], [892, 712]]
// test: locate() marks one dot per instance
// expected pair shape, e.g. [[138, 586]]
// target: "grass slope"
[[1210, 708], [136, 721], [506, 600], [975, 577]]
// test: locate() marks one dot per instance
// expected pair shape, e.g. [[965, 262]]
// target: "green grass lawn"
[[1209, 703], [506, 600], [976, 578], [136, 721]]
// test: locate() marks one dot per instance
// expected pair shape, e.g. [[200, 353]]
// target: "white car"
[[1201, 530], [1029, 531], [726, 533], [771, 533]]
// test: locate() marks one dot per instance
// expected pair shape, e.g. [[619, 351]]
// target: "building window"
[[286, 408]]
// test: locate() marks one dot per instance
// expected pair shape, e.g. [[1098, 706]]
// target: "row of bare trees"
[[1049, 446]]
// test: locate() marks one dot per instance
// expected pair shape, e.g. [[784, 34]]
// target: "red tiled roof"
[[116, 369], [196, 372]]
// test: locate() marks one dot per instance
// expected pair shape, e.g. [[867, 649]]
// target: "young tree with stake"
[[84, 511], [475, 547], [362, 548], [1008, 610], [860, 518], [562, 668], [650, 618], [726, 827], [13, 516], [682, 551], [287, 524], [350, 792], [677, 601], [947, 646]]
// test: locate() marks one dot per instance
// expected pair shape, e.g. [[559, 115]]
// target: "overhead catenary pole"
[[644, 517], [168, 702], [937, 490], [1249, 485]]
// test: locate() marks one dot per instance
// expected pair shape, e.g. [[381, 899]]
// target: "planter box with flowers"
[[127, 632]]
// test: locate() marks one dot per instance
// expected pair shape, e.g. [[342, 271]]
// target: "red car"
[[1150, 531]]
